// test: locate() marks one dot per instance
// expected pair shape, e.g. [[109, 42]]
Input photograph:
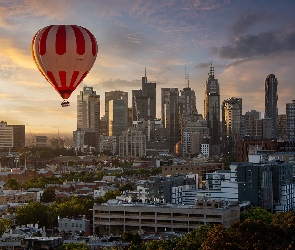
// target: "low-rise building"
[[200, 169], [74, 224], [13, 196], [119, 218]]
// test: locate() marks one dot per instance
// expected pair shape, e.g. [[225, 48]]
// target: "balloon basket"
[[65, 103]]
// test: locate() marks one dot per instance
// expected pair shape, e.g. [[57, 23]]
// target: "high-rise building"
[[290, 126], [282, 127], [118, 120], [165, 97], [41, 140], [192, 124], [212, 106], [271, 100], [250, 119], [231, 123], [170, 101], [114, 95], [88, 111], [108, 143], [103, 126], [132, 143], [144, 101], [85, 140], [187, 101], [12, 135]]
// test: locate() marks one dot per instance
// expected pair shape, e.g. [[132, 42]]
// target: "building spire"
[[186, 75], [211, 74]]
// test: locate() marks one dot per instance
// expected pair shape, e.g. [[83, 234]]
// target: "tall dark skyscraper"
[[271, 100], [170, 115], [212, 106], [187, 101], [290, 123], [145, 100]]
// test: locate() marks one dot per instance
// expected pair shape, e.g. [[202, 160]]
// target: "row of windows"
[[72, 225]]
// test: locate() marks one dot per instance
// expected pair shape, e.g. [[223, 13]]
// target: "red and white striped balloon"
[[64, 54]]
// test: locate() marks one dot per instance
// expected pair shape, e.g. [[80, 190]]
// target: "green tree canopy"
[[126, 187], [4, 225], [34, 212], [48, 195], [257, 213], [111, 195], [73, 246], [193, 239], [12, 184]]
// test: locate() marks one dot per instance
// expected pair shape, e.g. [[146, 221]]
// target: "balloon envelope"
[[64, 54]]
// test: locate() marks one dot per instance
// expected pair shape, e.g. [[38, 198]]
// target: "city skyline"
[[245, 40]]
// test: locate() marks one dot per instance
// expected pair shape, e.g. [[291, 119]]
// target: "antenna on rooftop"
[[211, 74], [186, 76]]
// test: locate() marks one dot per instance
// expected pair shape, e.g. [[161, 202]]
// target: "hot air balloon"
[[64, 54]]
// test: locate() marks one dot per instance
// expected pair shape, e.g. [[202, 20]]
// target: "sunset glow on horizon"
[[245, 41]]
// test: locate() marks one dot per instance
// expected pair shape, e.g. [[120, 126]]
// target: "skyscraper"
[[165, 97], [282, 126], [212, 106], [187, 101], [170, 114], [271, 100], [231, 123], [290, 126], [118, 117], [12, 135], [88, 111], [144, 100], [250, 120], [114, 95]]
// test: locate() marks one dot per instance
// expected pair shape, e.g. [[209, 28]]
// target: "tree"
[[250, 234], [227, 160], [12, 184], [73, 246], [111, 195], [127, 236], [126, 187], [34, 212], [160, 245], [193, 239], [136, 240], [99, 200], [48, 195], [286, 221], [217, 239], [257, 213], [4, 225]]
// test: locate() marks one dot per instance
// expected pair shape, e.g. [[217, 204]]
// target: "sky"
[[245, 40]]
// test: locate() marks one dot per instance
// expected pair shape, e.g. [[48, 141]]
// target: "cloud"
[[118, 84], [207, 5], [202, 66], [14, 53], [245, 22], [256, 45], [12, 13]]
